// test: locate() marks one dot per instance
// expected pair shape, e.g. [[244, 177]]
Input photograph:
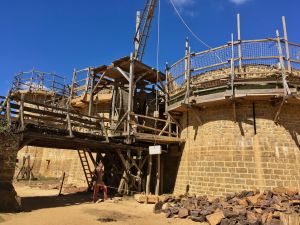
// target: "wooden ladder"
[[85, 165]]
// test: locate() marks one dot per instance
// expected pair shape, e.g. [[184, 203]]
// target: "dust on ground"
[[45, 207]]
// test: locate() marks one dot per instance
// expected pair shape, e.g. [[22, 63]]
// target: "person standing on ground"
[[98, 182]]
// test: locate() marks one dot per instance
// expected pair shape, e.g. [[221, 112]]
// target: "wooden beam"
[[124, 74], [157, 175], [148, 182], [150, 128]]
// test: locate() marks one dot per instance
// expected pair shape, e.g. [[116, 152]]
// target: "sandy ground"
[[44, 207]]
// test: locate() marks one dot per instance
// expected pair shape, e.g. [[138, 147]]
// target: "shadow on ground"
[[41, 202]]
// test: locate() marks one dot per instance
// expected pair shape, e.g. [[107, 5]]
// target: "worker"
[[98, 182]]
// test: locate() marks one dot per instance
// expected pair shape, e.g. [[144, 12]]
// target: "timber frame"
[[107, 110]]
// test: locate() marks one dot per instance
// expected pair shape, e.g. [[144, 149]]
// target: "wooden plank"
[[150, 128], [55, 114], [157, 139], [151, 118]]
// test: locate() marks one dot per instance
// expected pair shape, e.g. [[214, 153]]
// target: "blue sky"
[[58, 35]]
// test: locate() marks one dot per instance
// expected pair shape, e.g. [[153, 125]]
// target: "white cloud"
[[183, 3], [184, 6], [238, 2]]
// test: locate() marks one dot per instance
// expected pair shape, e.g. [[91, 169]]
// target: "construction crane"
[[143, 25]]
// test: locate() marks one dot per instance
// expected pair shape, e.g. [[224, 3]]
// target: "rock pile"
[[276, 207]]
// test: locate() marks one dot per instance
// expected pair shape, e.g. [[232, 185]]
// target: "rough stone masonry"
[[9, 146], [222, 156]]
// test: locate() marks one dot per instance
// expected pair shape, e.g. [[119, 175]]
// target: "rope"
[[192, 32], [188, 27]]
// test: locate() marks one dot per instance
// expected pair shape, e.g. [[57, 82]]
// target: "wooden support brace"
[[125, 74], [120, 122], [279, 110], [98, 83], [165, 127], [194, 110]]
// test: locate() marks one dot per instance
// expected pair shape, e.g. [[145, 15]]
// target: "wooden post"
[[91, 103], [239, 40], [284, 82], [187, 70], [127, 172], [167, 98], [113, 104], [21, 111], [62, 183], [286, 45], [167, 89], [69, 124], [157, 176], [140, 172], [130, 93], [8, 116], [149, 175], [122, 182], [73, 86], [137, 38], [87, 81]]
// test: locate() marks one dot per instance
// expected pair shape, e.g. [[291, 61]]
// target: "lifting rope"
[[188, 27], [192, 32]]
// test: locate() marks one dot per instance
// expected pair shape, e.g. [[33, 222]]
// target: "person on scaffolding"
[[98, 182]]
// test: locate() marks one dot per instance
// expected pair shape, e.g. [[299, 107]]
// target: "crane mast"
[[143, 25]]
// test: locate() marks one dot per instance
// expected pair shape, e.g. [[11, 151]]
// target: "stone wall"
[[221, 156], [52, 163], [9, 146]]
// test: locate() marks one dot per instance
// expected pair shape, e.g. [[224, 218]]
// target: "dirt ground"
[[44, 207]]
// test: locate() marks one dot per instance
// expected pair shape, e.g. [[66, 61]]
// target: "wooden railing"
[[230, 59]]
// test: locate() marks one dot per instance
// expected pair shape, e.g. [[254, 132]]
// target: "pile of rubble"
[[276, 207]]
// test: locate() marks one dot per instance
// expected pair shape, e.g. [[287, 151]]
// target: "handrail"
[[262, 52]]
